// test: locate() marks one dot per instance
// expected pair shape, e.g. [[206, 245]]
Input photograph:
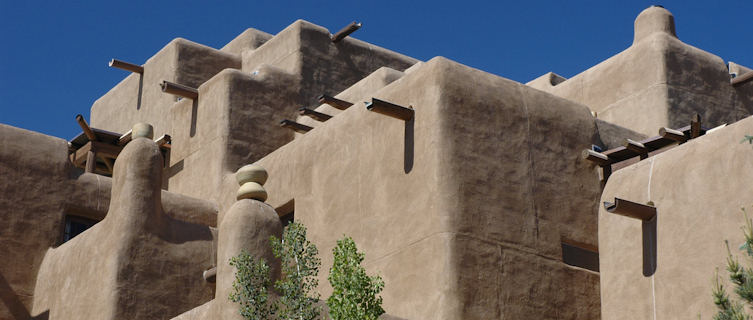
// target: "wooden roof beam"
[[596, 157], [115, 63], [695, 126], [295, 126], [390, 109], [672, 134], [332, 101], [636, 147], [631, 209], [85, 127], [346, 31], [164, 141], [316, 115], [179, 90]]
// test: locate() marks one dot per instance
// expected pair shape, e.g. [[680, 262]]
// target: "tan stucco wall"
[[180, 61], [250, 39], [34, 188], [305, 49], [419, 198], [41, 187], [104, 270], [698, 189]]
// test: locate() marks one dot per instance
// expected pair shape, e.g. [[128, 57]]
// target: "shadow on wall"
[[14, 305], [408, 146], [194, 115], [141, 89], [649, 247]]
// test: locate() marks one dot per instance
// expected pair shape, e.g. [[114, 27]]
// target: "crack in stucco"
[[532, 179], [501, 244], [648, 191], [639, 92]]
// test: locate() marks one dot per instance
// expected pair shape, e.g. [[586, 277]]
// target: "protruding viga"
[[251, 178]]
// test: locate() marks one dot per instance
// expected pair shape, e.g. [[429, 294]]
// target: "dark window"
[[287, 218], [286, 213], [76, 225], [577, 256]]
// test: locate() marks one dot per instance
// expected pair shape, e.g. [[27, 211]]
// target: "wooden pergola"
[[631, 149], [96, 150]]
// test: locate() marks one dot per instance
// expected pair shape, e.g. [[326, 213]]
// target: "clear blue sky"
[[54, 54]]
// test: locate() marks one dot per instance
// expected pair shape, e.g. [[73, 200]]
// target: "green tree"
[[354, 293], [300, 267], [251, 287], [742, 279]]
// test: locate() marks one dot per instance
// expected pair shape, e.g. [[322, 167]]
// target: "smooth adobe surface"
[[698, 203], [362, 173], [139, 98], [40, 188], [106, 266], [305, 49], [234, 120]]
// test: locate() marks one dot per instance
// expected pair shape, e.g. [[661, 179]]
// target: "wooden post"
[[695, 126], [344, 32], [606, 171], [91, 161], [390, 109], [115, 63]]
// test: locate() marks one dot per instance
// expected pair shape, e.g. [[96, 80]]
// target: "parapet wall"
[[659, 81]]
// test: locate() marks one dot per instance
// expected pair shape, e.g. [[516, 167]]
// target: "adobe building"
[[604, 196]]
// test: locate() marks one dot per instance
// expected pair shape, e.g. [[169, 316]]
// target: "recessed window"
[[287, 218], [286, 212], [580, 256], [76, 225]]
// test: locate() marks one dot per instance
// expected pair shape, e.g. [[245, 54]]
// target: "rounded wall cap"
[[654, 19], [251, 173], [251, 190], [142, 130]]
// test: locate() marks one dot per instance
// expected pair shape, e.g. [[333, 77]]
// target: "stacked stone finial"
[[251, 178], [142, 130]]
